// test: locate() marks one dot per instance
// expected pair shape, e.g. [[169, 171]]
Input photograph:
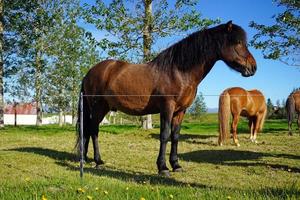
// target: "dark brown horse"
[[166, 85], [240, 102], [292, 106]]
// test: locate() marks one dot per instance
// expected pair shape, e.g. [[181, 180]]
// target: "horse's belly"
[[133, 105]]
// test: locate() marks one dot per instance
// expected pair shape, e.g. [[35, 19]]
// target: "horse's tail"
[[85, 120], [290, 108], [224, 116]]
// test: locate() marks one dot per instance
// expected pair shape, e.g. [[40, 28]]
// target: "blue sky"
[[273, 78]]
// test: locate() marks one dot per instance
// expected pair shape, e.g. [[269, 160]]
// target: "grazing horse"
[[166, 85], [240, 102], [292, 106]]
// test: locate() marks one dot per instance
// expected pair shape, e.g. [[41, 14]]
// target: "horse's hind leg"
[[290, 122], [257, 122], [86, 139], [98, 115], [175, 131], [251, 127], [86, 135], [299, 122], [234, 125]]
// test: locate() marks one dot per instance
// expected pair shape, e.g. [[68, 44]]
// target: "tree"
[[41, 50], [281, 40], [1, 67], [270, 108], [71, 54], [198, 107], [134, 28], [28, 23]]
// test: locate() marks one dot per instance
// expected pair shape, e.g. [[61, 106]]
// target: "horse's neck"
[[199, 72]]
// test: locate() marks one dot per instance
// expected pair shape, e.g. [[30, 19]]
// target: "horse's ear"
[[229, 26]]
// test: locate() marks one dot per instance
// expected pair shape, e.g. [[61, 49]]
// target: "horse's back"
[[97, 77], [249, 102]]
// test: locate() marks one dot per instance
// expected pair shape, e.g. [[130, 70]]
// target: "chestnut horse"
[[166, 85], [292, 106], [240, 102]]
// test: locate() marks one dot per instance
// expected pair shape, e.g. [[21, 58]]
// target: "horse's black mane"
[[197, 48], [294, 90]]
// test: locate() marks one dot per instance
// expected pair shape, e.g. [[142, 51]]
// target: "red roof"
[[22, 109]]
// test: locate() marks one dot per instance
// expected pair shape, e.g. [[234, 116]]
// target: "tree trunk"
[[74, 105], [38, 89], [147, 122], [60, 118], [147, 41], [1, 67], [15, 111]]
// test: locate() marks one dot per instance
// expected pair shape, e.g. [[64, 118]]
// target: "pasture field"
[[39, 162]]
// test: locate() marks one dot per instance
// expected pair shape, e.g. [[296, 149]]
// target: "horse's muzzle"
[[249, 71]]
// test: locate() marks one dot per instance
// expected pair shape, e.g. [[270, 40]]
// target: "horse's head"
[[234, 51]]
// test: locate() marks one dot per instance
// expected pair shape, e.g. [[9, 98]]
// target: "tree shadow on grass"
[[62, 158], [54, 154], [238, 158]]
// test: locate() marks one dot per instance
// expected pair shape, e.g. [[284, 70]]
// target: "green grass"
[[38, 161]]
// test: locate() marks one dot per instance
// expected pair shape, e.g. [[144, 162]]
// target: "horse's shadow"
[[238, 158], [202, 139], [68, 160]]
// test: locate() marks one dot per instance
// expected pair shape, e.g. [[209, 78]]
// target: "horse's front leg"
[[165, 126], [175, 132]]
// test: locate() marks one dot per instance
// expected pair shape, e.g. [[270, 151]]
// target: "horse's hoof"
[[178, 169], [101, 162], [165, 173]]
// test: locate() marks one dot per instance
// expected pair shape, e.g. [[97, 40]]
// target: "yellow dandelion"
[[105, 192], [228, 197], [80, 190], [89, 197], [127, 188], [43, 197], [96, 188], [142, 198], [171, 196], [27, 179]]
